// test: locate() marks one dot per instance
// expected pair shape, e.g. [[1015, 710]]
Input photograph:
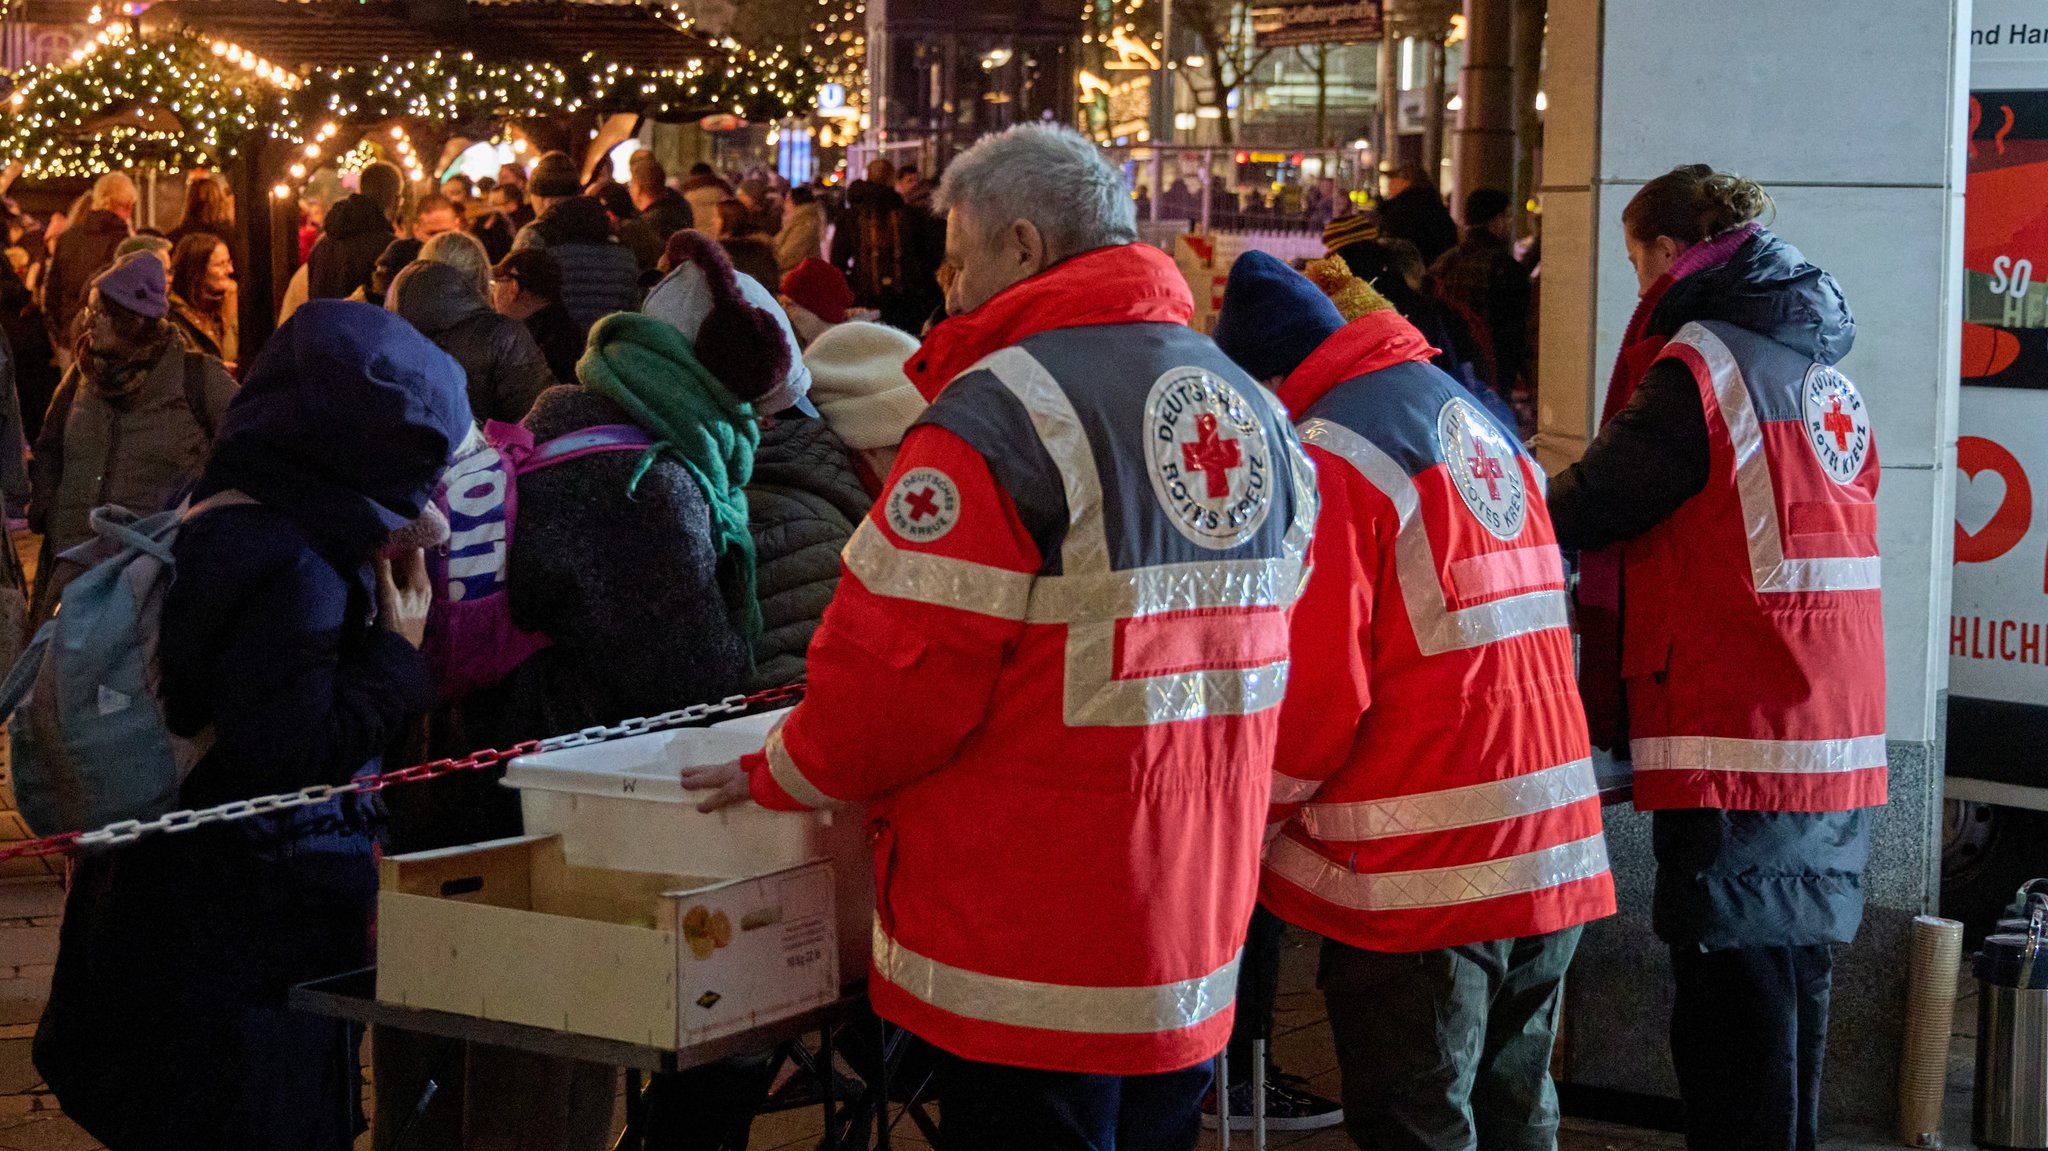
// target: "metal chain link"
[[171, 823]]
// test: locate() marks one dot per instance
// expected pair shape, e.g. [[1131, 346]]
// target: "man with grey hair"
[[84, 251], [1053, 667]]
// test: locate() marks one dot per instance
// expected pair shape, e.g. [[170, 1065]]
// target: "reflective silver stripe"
[[1089, 596], [1214, 584], [1773, 756], [1769, 569], [1548, 867], [791, 777], [888, 570], [1287, 789], [1096, 698], [1481, 803], [1055, 1006], [1086, 548], [1437, 628]]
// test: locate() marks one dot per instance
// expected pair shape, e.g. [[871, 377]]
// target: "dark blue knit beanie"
[[1272, 317]]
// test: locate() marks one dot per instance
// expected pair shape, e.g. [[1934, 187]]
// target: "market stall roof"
[[345, 33]]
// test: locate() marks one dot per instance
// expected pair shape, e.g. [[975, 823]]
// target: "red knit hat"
[[820, 289]]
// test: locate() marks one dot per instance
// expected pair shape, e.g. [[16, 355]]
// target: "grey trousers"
[[1449, 1050]]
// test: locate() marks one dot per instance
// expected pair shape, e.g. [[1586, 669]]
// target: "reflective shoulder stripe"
[[1287, 789], [1086, 548], [1437, 628], [791, 777], [1548, 867], [1777, 757], [1053, 1006], [1481, 803], [1770, 570], [899, 573]]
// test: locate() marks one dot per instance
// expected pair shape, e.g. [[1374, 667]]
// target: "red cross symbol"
[[922, 504], [1487, 469], [1838, 422], [1212, 455]]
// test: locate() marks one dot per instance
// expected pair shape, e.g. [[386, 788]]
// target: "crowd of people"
[[1169, 640]]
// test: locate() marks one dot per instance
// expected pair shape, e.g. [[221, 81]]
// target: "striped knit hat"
[[1353, 296], [1353, 229]]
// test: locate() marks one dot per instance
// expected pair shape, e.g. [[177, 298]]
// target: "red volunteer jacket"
[[1753, 637], [1053, 668], [1433, 769]]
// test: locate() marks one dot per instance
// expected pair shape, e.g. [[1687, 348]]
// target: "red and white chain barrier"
[[130, 830]]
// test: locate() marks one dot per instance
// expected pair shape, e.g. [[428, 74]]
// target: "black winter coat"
[[561, 342], [166, 1027], [356, 233], [803, 504], [84, 250], [599, 275], [669, 214], [505, 368], [1418, 216], [1725, 879]]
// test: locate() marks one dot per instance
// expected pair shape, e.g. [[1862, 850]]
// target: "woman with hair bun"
[[1733, 643]]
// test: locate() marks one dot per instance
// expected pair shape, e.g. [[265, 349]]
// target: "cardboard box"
[[507, 930], [621, 804]]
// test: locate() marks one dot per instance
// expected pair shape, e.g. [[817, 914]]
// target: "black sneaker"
[[1290, 1106]]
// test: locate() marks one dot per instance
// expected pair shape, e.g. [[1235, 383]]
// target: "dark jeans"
[[1449, 1050], [1748, 1030], [994, 1107], [1258, 988]]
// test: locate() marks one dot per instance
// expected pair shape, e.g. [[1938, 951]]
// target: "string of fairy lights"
[[220, 92]]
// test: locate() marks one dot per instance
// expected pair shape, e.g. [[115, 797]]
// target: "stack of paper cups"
[[1930, 1014]]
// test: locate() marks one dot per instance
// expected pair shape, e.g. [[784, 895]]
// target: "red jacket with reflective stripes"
[[1433, 770], [1753, 634], [1053, 669]]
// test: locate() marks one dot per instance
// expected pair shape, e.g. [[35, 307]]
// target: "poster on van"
[[1998, 634]]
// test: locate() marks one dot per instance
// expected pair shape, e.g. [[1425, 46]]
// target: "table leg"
[[882, 1142], [823, 1070], [634, 1136]]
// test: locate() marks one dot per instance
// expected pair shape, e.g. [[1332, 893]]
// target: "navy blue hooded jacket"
[[165, 1026], [1725, 879]]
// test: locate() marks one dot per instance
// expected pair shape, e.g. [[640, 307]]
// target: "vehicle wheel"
[[1987, 852]]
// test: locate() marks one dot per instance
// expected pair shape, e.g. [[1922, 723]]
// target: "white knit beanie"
[[858, 383]]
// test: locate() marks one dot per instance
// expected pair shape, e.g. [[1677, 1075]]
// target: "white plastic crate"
[[620, 805]]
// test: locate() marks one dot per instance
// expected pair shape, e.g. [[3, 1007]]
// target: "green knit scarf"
[[650, 368]]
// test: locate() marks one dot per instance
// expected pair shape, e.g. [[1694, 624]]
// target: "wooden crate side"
[[604, 979], [499, 873]]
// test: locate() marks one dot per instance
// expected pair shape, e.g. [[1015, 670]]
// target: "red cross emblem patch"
[[1837, 425], [1484, 467], [1209, 457], [923, 505]]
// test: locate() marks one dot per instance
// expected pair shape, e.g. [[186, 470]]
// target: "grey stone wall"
[[1618, 996]]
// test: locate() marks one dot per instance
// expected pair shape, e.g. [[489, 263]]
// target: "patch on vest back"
[[923, 506], [1206, 449], [1483, 468], [1837, 426]]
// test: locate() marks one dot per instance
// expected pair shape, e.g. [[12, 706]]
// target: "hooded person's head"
[[345, 421], [1272, 317], [737, 327]]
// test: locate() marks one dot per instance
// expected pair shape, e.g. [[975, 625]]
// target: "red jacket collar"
[[1124, 284], [1369, 343]]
